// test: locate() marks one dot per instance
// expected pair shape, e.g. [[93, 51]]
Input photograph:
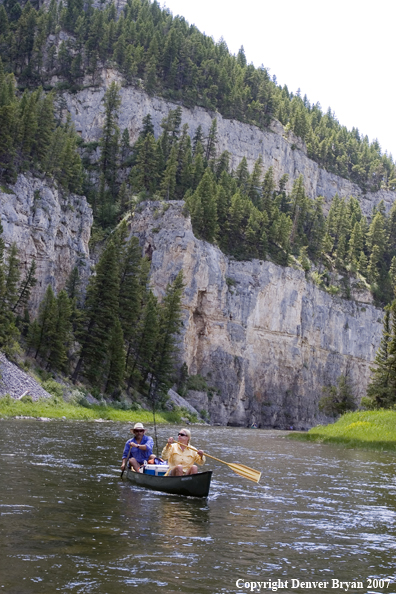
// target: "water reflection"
[[69, 524]]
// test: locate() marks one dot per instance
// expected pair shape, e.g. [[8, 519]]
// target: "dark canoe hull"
[[194, 485]]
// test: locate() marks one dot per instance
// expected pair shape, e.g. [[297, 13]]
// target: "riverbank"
[[374, 430], [56, 408]]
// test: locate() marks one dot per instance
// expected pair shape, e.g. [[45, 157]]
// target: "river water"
[[69, 524]]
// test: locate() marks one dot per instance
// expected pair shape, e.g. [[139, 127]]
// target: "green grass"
[[56, 408], [375, 430]]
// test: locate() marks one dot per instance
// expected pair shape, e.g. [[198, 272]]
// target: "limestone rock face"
[[47, 227], [261, 334], [284, 152]]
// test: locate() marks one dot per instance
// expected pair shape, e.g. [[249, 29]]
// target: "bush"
[[27, 399], [368, 403], [338, 399], [7, 400], [197, 382], [52, 387]]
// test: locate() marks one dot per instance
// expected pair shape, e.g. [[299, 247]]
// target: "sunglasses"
[[182, 434], [139, 430]]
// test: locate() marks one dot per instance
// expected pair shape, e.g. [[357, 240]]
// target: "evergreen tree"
[[43, 331], [242, 176], [25, 288], [170, 321], [392, 274], [198, 138], [144, 176], [382, 387], [110, 137], [202, 205], [373, 265], [101, 312], [211, 142], [140, 363], [168, 184], [59, 339], [116, 370], [8, 276], [254, 190], [355, 245], [267, 193]]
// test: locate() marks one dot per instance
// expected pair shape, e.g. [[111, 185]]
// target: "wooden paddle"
[[241, 469]]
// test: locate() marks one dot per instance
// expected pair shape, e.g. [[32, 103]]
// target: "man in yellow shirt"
[[181, 459]]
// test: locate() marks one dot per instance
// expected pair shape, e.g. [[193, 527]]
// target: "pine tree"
[[10, 297], [198, 138], [382, 387], [242, 176], [267, 193], [140, 360], [101, 312], [133, 279], [185, 168], [210, 152], [373, 265], [376, 235], [8, 330], [109, 142], [144, 176], [168, 184], [355, 245], [298, 209], [44, 329], [392, 274], [151, 76], [125, 146], [25, 288], [202, 205], [254, 190], [164, 359], [59, 340], [116, 370], [198, 166]]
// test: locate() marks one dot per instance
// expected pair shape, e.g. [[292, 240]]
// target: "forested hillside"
[[166, 56]]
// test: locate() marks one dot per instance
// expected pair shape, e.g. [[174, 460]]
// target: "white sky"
[[340, 53]]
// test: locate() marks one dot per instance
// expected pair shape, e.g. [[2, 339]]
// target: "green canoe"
[[193, 485]]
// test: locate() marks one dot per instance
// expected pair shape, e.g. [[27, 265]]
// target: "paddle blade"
[[246, 472]]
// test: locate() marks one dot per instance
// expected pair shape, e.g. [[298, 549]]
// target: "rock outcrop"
[[285, 153], [17, 383], [260, 334], [48, 226]]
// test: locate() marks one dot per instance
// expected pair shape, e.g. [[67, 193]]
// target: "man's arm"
[[127, 450], [148, 446]]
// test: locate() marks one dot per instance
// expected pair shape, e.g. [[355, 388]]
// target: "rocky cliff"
[[285, 153], [263, 336], [48, 226]]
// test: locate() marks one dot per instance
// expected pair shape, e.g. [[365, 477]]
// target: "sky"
[[340, 53]]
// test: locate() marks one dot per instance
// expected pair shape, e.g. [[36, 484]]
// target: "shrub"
[[197, 382], [338, 399], [52, 387], [7, 400]]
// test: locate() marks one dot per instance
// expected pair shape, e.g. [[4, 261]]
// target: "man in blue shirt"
[[138, 449]]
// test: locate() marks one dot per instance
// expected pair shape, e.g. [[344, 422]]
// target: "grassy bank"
[[56, 408], [375, 430]]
